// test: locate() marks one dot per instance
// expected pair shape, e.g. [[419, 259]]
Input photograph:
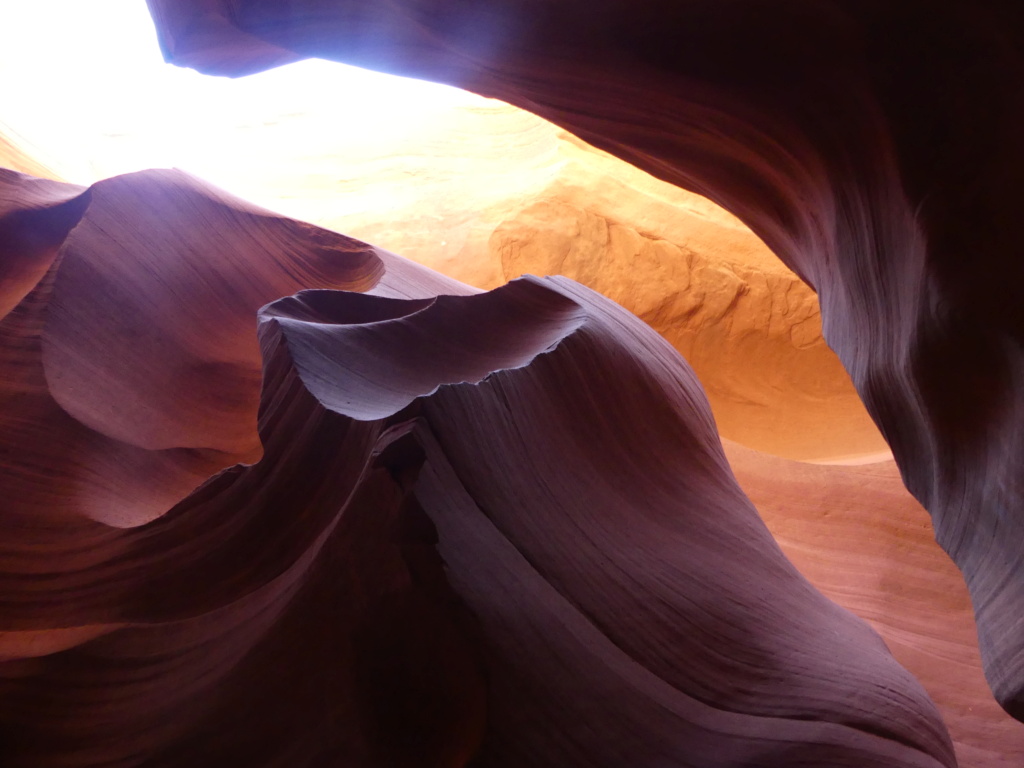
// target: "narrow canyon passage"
[[486, 508]]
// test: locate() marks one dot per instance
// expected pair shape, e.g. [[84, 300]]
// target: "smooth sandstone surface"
[[492, 193], [496, 527], [486, 192], [873, 146], [849, 530], [861, 539], [461, 544]]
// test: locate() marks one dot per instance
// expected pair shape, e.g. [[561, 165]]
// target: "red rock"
[[171, 339], [486, 192], [493, 526], [873, 146], [857, 534]]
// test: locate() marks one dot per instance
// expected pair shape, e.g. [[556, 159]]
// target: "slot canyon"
[[660, 403]]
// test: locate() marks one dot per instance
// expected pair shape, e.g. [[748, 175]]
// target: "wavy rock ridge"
[[860, 538], [404, 529], [486, 192], [873, 146]]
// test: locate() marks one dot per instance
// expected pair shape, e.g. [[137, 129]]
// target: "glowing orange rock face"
[[491, 193], [485, 192], [860, 538], [874, 148], [493, 526], [500, 527]]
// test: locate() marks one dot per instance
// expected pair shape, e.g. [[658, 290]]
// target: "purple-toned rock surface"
[[389, 522], [874, 146]]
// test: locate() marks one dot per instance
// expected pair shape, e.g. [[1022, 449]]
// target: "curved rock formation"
[[171, 339], [491, 193], [873, 146], [486, 192], [860, 538], [495, 526]]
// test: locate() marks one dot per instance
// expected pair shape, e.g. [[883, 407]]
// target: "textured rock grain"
[[496, 526], [873, 146], [485, 192], [863, 540]]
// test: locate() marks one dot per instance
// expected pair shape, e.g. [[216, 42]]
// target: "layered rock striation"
[[485, 192], [873, 146], [859, 537], [391, 521], [492, 193]]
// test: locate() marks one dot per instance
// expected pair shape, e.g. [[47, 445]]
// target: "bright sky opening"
[[84, 89]]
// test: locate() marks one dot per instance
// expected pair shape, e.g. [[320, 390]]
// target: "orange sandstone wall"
[[873, 146], [392, 521]]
